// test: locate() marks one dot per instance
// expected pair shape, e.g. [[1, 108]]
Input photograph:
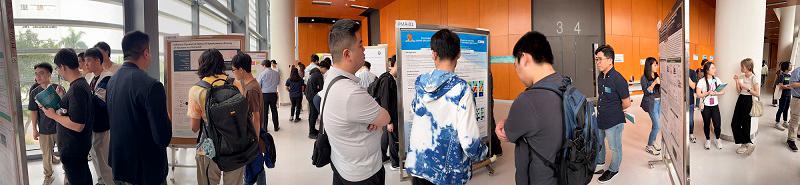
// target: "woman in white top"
[[747, 87], [707, 91]]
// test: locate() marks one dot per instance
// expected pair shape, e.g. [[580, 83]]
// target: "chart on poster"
[[416, 58], [672, 54], [183, 62]]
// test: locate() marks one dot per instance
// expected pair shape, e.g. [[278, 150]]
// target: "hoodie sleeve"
[[467, 128]]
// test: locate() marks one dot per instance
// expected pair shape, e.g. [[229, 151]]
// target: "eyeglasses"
[[598, 59]]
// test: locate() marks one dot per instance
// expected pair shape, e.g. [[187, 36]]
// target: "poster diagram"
[[183, 62], [416, 58]]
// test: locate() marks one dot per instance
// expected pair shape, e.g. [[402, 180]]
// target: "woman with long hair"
[[651, 102], [295, 86], [708, 92], [747, 87]]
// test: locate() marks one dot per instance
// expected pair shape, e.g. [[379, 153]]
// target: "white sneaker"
[[708, 144], [742, 148], [652, 150], [785, 124], [718, 144], [779, 126], [692, 139]]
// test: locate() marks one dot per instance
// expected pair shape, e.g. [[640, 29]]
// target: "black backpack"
[[229, 126], [575, 161]]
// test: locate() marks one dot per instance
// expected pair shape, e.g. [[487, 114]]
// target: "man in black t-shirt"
[[614, 99], [74, 120], [532, 115], [44, 128]]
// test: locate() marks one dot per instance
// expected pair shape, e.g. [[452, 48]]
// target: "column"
[[142, 15], [281, 37], [786, 38], [739, 34]]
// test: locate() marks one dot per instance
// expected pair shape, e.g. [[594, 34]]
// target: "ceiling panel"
[[336, 9]]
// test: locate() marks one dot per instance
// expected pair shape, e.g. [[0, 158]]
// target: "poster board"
[[377, 57], [257, 57], [182, 54], [414, 57], [674, 56], [13, 160]]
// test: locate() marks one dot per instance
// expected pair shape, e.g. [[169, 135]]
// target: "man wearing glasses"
[[614, 98]]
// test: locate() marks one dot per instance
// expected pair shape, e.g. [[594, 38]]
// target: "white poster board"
[[415, 57], [182, 62], [376, 56], [673, 51], [257, 57], [13, 167]]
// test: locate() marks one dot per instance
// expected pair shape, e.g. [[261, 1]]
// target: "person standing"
[[251, 91], [43, 128], [108, 65], [211, 71], [355, 132], [100, 136], [365, 75], [313, 65], [794, 120], [614, 99], [445, 138], [693, 77], [384, 90], [651, 102], [74, 119], [532, 115], [747, 87], [295, 87], [707, 91], [140, 126], [315, 84], [764, 71], [783, 83], [269, 79]]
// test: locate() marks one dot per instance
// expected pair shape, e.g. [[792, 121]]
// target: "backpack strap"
[[322, 107]]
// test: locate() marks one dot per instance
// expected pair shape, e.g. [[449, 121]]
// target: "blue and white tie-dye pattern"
[[444, 134]]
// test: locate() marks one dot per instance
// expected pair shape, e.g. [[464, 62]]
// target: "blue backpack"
[[575, 162]]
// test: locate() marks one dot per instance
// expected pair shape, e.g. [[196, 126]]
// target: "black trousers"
[[740, 124], [296, 106], [313, 113], [420, 181], [271, 105], [77, 169], [378, 179], [496, 148], [711, 113], [783, 108], [390, 143]]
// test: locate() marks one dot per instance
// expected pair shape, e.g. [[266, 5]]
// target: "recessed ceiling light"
[[322, 2], [358, 6]]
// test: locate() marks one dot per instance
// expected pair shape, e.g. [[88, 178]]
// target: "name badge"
[[607, 89]]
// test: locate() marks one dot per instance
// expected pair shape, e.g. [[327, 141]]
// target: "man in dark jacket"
[[384, 90], [140, 128], [314, 85]]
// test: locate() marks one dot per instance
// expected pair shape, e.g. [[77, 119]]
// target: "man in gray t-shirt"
[[352, 119]]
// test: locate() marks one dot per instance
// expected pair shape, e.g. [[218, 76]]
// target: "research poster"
[[415, 57], [673, 69], [12, 166], [376, 56], [257, 57], [182, 64]]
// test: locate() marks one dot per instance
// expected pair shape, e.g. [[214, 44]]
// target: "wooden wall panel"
[[494, 17], [519, 17], [515, 85], [463, 13], [621, 17], [313, 38], [433, 12], [499, 46]]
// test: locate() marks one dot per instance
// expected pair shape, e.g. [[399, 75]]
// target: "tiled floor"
[[771, 163]]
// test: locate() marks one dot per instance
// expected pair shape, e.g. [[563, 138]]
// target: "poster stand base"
[[175, 144]]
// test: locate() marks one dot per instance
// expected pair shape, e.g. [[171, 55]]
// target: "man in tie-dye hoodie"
[[444, 137]]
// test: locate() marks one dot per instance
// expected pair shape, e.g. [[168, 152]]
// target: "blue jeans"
[[691, 119], [614, 142], [261, 179], [655, 112]]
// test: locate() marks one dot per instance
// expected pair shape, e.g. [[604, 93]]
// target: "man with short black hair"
[[315, 84], [100, 136], [614, 99], [74, 118], [532, 116], [313, 65], [43, 128], [137, 108], [354, 132], [366, 77], [108, 64], [269, 80], [443, 153]]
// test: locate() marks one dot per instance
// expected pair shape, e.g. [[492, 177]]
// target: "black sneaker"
[[792, 145], [606, 177], [312, 136], [277, 129]]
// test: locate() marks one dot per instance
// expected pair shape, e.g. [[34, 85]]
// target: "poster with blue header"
[[415, 57]]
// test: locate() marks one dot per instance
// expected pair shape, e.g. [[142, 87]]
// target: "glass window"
[[211, 24], [253, 43]]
